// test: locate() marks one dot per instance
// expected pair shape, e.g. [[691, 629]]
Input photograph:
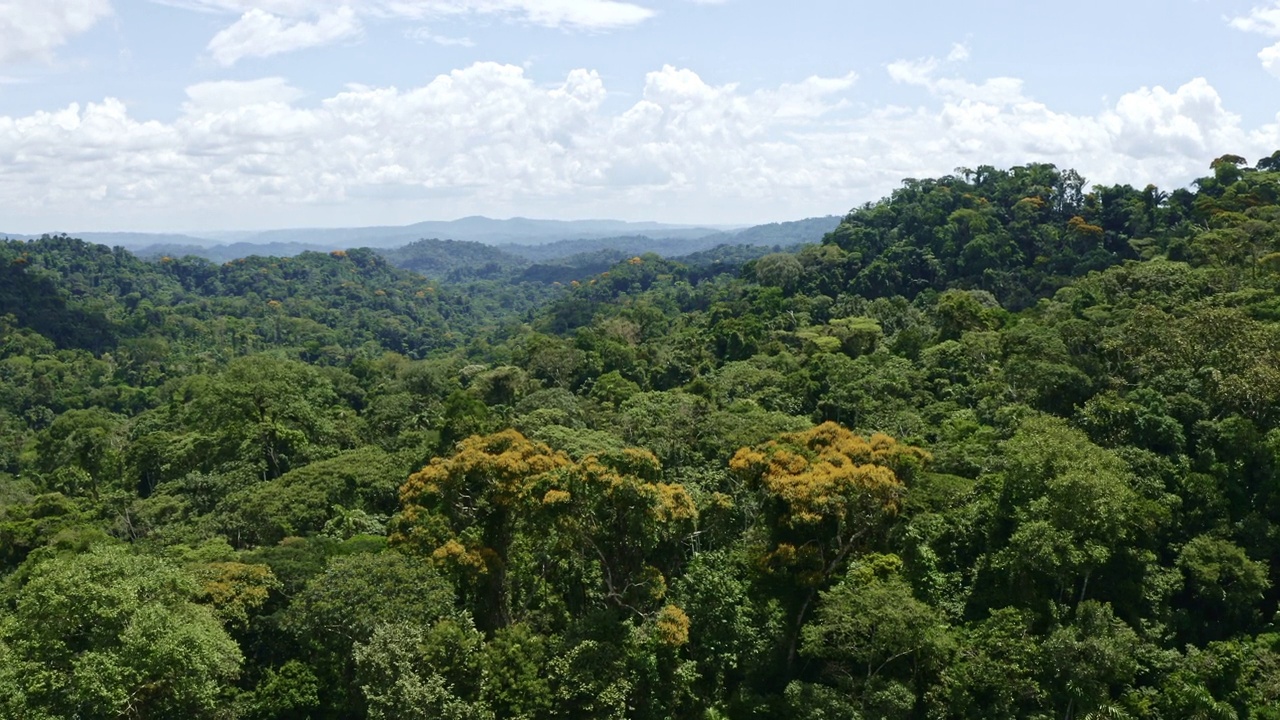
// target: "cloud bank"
[[489, 138]]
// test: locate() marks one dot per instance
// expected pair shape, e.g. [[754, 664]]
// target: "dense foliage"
[[1002, 445]]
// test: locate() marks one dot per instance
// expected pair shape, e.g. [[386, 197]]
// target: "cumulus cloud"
[[1149, 134], [1264, 20], [491, 139], [924, 73], [32, 29]]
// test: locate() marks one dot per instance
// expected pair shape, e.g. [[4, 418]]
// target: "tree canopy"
[[1004, 444]]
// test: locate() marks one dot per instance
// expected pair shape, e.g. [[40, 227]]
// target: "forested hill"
[[545, 257], [94, 298], [1001, 445], [455, 260], [1019, 234]]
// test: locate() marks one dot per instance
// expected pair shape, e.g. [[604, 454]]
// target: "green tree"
[[267, 412], [344, 607], [614, 514], [876, 637], [1091, 663], [781, 270], [423, 673], [1223, 590], [110, 634], [1067, 510], [81, 452]]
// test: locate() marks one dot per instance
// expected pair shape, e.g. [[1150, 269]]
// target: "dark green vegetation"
[[1000, 446]]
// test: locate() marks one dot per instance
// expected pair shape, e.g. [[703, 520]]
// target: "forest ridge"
[[1002, 445]]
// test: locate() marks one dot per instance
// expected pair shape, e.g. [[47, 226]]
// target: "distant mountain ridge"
[[477, 228], [512, 231], [483, 248], [515, 231], [566, 260]]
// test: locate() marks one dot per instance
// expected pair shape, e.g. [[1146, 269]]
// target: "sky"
[[189, 115]]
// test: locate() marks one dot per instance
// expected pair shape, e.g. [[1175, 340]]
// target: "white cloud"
[[809, 99], [225, 95], [490, 139], [574, 14], [1192, 121], [913, 72], [1270, 58], [1148, 135], [923, 72], [31, 29], [424, 34], [580, 14], [269, 27], [1264, 20], [261, 34]]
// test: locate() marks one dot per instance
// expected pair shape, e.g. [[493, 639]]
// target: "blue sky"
[[240, 114]]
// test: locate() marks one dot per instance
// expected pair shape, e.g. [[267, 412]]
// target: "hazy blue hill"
[[534, 240], [520, 231], [721, 258], [786, 234], [529, 231], [136, 240], [482, 247], [629, 245], [795, 232], [781, 234]]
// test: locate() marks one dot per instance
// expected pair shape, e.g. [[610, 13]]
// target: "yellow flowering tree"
[[624, 525], [824, 492], [461, 511], [506, 516]]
